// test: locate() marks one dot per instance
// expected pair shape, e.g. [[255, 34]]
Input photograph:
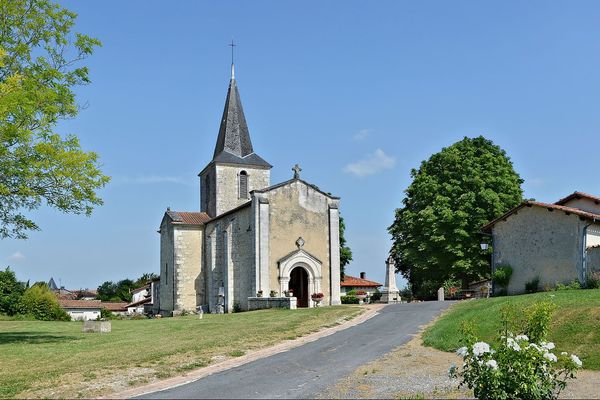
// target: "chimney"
[[363, 275]]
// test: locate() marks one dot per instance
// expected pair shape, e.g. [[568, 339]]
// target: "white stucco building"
[[82, 310]]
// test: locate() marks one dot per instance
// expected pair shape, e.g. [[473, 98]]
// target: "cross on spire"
[[296, 170], [232, 45]]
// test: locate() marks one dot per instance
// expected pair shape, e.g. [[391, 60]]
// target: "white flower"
[[576, 360], [511, 343], [564, 353], [550, 357], [480, 348], [492, 364], [463, 352], [535, 346], [548, 346], [522, 337]]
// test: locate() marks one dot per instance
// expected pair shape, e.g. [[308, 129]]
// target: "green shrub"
[[106, 314], [349, 299], [406, 294], [11, 292], [532, 286], [376, 296], [237, 307], [573, 285], [593, 280], [450, 286], [502, 274], [524, 366], [40, 302], [351, 293]]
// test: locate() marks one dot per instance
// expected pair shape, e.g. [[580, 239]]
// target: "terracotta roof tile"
[[114, 306], [79, 303], [354, 281], [529, 203], [140, 302], [188, 218], [578, 195]]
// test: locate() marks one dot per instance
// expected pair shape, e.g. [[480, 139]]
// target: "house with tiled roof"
[[353, 283], [553, 242], [81, 310]]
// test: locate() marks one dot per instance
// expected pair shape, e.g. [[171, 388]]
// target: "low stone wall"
[[97, 326], [259, 303]]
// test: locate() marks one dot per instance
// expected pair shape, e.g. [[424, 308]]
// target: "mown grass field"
[[575, 326], [55, 359]]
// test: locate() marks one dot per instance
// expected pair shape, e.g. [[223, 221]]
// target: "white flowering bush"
[[516, 367]]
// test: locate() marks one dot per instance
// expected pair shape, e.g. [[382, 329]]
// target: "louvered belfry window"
[[243, 185]]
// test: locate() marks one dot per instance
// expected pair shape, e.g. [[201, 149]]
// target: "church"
[[250, 238]]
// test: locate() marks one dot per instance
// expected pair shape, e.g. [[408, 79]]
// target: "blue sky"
[[357, 93]]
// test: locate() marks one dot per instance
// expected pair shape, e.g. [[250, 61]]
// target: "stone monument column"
[[390, 293]]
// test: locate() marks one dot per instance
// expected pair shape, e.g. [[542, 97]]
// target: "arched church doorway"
[[299, 285]]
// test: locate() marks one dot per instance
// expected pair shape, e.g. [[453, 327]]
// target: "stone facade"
[[181, 286], [220, 186], [248, 236], [544, 241]]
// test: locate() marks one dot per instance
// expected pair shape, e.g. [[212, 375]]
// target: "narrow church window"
[[243, 185], [166, 273]]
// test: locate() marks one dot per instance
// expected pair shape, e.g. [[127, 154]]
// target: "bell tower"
[[235, 169]]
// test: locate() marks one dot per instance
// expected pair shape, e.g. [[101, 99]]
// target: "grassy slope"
[[43, 358], [575, 326]]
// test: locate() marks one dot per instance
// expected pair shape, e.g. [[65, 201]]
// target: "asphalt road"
[[305, 371]]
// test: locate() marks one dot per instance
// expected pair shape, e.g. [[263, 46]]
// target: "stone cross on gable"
[[296, 170]]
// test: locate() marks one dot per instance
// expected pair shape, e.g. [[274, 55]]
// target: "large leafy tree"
[[11, 292], [39, 67], [455, 192], [345, 252]]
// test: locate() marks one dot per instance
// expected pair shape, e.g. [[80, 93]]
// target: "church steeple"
[[233, 143], [235, 169]]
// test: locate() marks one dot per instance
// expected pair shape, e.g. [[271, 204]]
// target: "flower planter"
[[361, 298], [317, 300]]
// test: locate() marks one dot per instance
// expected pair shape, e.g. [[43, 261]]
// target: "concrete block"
[[97, 326]]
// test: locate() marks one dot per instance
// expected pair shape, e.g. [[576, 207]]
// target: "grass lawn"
[[55, 359], [575, 326]]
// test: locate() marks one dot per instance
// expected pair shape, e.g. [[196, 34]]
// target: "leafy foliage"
[[345, 252], [11, 292], [349, 299], [532, 285], [453, 194], [573, 285], [40, 302], [593, 280], [518, 367], [502, 274], [38, 54], [120, 291]]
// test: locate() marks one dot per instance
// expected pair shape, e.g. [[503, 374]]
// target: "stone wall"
[[298, 210], [167, 257], [260, 303], [584, 204], [222, 193], [230, 259], [189, 284], [181, 285], [536, 242]]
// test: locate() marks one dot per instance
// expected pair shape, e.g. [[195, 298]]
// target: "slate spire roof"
[[233, 143]]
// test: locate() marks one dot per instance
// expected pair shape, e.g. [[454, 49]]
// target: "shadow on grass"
[[33, 338]]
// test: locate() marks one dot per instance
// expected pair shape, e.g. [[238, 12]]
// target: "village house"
[[353, 283], [553, 242], [117, 308], [82, 310], [250, 238]]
